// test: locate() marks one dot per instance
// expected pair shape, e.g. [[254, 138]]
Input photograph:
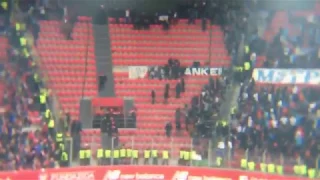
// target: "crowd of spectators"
[[172, 70], [282, 121]]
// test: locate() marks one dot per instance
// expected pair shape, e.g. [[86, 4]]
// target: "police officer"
[[154, 154], [100, 156], [64, 160], [108, 156], [165, 157], [147, 156], [135, 156]]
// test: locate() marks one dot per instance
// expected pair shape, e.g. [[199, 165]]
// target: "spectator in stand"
[[168, 129], [178, 90], [166, 93], [153, 96]]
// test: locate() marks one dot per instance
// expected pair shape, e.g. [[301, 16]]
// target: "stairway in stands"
[[65, 62], [3, 61], [154, 47]]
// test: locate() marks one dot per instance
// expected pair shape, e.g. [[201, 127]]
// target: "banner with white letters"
[[138, 72], [287, 76]]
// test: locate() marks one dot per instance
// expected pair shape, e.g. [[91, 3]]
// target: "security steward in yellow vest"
[[123, 155], [51, 129], [233, 112], [23, 42], [154, 156], [219, 161], [243, 164], [165, 157], [59, 139], [147, 156], [300, 170], [135, 156], [129, 156], [43, 101], [115, 157], [181, 157], [271, 168], [238, 73], [108, 156], [85, 156], [251, 166], [47, 115], [187, 157], [100, 156], [247, 69], [64, 160]]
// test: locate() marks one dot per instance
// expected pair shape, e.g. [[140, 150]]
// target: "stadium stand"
[[70, 65]]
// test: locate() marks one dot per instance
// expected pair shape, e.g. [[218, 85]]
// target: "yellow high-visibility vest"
[[263, 167], [122, 153], [246, 66], [186, 155], [271, 168], [4, 5], [51, 123], [107, 153], [43, 99], [82, 154], [219, 161], [154, 153], [64, 156], [147, 154], [23, 41], [116, 154], [47, 114], [311, 173], [129, 153], [165, 155], [251, 166], [135, 154], [88, 154], [181, 154], [18, 27], [279, 169], [59, 137], [100, 153], [243, 163]]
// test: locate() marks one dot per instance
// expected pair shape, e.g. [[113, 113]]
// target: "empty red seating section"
[[188, 43], [69, 64]]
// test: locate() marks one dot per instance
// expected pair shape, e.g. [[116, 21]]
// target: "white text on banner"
[[136, 72], [287, 76]]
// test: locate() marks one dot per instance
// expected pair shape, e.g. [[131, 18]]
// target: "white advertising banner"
[[137, 72]]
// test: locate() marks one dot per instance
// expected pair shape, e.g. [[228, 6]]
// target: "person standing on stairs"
[[166, 93], [177, 120], [168, 129], [182, 85], [178, 90], [153, 96]]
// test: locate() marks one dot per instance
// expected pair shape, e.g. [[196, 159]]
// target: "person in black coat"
[[168, 129], [178, 90], [182, 85], [177, 120], [166, 93], [153, 96]]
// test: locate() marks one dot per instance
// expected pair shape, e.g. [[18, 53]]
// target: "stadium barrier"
[[140, 173]]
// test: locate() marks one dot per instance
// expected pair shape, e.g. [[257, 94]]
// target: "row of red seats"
[[159, 50], [136, 62], [143, 93], [158, 89], [159, 56], [64, 67], [69, 74], [67, 54], [200, 80], [161, 32], [164, 38], [75, 62], [168, 44]]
